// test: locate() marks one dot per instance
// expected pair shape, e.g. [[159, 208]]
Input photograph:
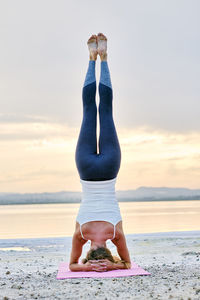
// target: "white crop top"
[[98, 203]]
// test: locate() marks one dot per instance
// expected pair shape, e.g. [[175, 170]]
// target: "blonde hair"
[[100, 253]]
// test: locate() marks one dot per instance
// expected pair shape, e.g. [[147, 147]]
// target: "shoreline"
[[41, 202], [188, 233]]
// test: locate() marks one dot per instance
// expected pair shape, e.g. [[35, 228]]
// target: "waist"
[[96, 191], [88, 213]]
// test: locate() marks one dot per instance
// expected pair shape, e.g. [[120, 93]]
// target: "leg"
[[86, 148], [109, 147]]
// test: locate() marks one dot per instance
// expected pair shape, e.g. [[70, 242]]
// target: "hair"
[[100, 253]]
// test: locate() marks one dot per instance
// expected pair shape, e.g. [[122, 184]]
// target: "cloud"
[[153, 57], [42, 157], [23, 118], [154, 62], [36, 128]]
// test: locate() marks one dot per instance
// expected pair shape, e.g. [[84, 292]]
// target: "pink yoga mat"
[[64, 272]]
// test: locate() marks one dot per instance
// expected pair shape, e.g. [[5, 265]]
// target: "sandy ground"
[[28, 269]]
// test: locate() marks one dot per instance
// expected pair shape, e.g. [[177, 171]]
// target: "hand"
[[108, 264], [100, 265], [94, 265]]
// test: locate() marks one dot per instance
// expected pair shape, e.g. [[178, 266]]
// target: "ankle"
[[93, 56], [103, 57]]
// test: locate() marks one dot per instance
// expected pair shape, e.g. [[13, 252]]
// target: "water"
[[54, 220]]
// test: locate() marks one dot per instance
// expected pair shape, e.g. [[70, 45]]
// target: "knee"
[[88, 94], [105, 91]]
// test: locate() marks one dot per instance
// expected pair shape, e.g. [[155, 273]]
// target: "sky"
[[153, 56]]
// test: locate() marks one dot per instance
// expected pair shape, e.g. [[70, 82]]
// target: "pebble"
[[190, 253], [174, 282], [197, 291]]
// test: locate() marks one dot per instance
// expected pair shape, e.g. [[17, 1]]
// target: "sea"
[[58, 220]]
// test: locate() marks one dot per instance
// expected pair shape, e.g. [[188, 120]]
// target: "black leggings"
[[93, 166]]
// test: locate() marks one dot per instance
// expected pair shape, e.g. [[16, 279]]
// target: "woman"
[[99, 217]]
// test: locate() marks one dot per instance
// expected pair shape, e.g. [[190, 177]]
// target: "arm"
[[74, 267], [106, 265], [77, 245], [120, 243]]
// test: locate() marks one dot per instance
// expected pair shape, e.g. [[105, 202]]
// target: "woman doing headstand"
[[99, 217]]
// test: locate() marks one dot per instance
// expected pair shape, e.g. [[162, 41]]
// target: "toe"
[[92, 39], [101, 36]]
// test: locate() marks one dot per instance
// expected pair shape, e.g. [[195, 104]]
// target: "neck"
[[95, 244]]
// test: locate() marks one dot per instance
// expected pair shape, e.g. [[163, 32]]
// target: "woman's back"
[[98, 230]]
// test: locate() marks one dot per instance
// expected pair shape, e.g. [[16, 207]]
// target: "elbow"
[[71, 267], [128, 265], [74, 267]]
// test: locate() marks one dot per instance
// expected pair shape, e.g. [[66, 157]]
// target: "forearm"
[[122, 265], [79, 267]]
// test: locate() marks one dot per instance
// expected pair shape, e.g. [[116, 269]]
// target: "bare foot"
[[92, 46], [102, 46]]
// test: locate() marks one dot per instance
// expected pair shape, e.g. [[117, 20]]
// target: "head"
[[98, 253]]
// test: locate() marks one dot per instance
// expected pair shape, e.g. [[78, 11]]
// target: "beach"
[[100, 101], [28, 269]]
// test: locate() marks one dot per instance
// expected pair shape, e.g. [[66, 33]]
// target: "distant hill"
[[34, 198], [159, 193], [140, 194]]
